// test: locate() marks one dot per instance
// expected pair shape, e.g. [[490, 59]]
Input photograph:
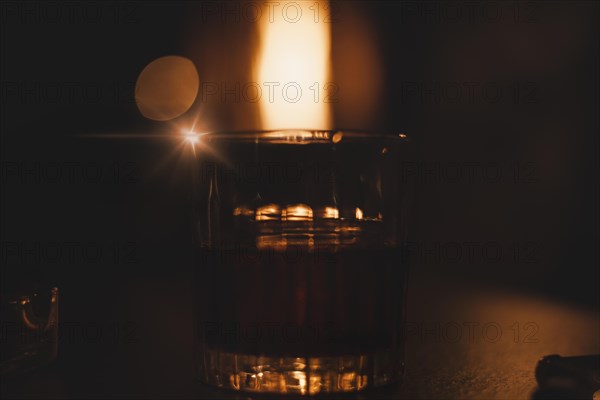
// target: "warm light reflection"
[[331, 212], [337, 137], [300, 376], [192, 138], [293, 67], [269, 212], [243, 211], [359, 213], [293, 136], [26, 311], [297, 212]]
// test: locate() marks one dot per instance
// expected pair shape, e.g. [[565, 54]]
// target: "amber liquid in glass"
[[329, 306]]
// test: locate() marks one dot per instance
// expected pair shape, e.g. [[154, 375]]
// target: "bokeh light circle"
[[166, 88]]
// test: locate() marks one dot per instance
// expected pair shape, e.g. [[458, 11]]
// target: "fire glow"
[[294, 57]]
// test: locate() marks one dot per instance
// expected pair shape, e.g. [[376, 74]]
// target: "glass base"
[[301, 375]]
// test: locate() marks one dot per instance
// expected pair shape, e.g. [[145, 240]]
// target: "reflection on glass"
[[29, 329]]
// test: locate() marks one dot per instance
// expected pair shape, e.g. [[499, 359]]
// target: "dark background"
[[522, 135]]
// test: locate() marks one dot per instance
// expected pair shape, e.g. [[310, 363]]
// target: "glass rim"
[[302, 136]]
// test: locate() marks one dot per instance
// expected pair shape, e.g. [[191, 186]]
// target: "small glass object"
[[28, 327], [300, 275]]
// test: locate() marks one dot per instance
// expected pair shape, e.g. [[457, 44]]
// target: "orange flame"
[[293, 67]]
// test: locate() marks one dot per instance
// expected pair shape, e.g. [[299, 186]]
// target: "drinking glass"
[[300, 279]]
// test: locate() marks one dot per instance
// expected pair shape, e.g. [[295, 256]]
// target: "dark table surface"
[[464, 341]]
